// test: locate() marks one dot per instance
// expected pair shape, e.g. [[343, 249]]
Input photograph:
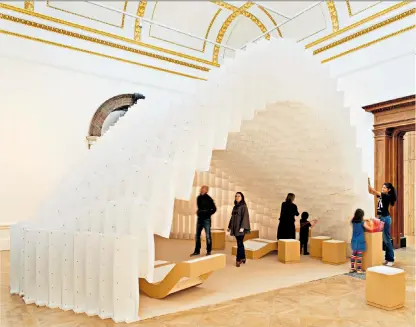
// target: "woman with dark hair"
[[239, 226], [286, 228], [386, 197]]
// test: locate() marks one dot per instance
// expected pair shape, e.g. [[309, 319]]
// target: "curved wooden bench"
[[174, 277], [257, 248]]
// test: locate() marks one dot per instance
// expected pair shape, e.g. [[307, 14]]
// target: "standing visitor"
[[239, 226], [358, 245], [386, 197], [206, 208], [304, 231], [289, 210]]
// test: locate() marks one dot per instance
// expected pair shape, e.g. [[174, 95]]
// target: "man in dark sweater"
[[206, 208]]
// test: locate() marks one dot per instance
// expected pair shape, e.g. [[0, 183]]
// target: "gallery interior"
[[207, 163]]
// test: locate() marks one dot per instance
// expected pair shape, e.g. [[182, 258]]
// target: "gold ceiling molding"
[[271, 18], [98, 54], [30, 5], [360, 11], [140, 12], [366, 45], [181, 45], [334, 15], [99, 41], [90, 18], [236, 12], [366, 30], [359, 23], [102, 33]]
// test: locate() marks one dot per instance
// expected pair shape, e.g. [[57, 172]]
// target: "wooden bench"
[[257, 248], [170, 277]]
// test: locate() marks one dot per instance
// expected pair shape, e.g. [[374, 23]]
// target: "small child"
[[358, 245], [304, 232]]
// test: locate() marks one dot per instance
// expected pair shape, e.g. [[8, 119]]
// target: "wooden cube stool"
[[315, 249], [288, 251], [385, 287], [374, 254], [218, 239], [334, 252]]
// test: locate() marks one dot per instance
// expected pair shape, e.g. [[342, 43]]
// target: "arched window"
[[109, 113]]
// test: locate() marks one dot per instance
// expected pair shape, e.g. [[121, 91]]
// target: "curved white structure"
[[93, 237]]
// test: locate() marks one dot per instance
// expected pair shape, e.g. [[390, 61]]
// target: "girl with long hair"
[[387, 197], [239, 225], [288, 211], [358, 245]]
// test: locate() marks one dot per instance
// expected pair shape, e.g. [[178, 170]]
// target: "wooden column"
[[392, 119]]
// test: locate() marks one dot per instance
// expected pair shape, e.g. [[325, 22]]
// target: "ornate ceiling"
[[232, 23]]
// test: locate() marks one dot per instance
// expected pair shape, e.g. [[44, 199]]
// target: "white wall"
[[49, 96]]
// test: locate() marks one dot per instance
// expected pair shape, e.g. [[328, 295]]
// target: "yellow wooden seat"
[[316, 246], [289, 251], [257, 248], [170, 277], [385, 287], [334, 252]]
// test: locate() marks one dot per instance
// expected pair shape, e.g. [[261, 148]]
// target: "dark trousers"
[[203, 223], [304, 245], [241, 252]]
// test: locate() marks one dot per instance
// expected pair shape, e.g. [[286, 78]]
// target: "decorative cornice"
[[102, 33], [366, 45], [98, 54], [357, 24], [384, 132], [334, 15], [366, 30], [99, 41], [408, 101]]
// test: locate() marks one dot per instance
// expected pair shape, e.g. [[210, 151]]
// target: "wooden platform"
[[257, 248], [170, 277]]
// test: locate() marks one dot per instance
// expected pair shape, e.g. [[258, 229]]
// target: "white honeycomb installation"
[[97, 227]]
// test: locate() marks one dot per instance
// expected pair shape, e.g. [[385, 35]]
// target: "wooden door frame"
[[392, 120]]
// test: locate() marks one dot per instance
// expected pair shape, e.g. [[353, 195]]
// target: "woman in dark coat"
[[289, 210], [239, 226]]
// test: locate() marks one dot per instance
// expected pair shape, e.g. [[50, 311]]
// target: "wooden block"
[[385, 287], [218, 239], [289, 251], [334, 252], [316, 246], [374, 255]]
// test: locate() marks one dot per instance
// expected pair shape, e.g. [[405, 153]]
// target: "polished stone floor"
[[332, 302]]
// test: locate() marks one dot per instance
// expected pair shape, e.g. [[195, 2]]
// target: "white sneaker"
[[390, 264], [385, 263]]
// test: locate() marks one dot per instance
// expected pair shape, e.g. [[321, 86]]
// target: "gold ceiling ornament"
[[99, 41], [137, 26], [366, 30], [60, 45], [271, 18], [236, 12], [366, 45], [334, 15], [360, 11], [103, 33], [209, 28], [30, 5], [359, 23]]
